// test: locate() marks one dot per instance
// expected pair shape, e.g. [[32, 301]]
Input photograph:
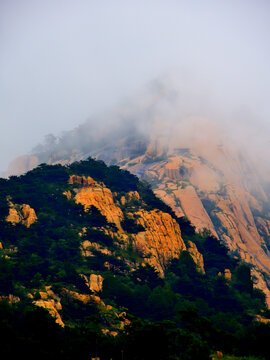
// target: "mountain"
[[193, 165], [217, 189], [94, 264]]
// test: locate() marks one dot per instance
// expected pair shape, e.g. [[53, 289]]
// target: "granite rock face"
[[50, 301], [215, 189], [21, 214], [161, 239], [91, 193]]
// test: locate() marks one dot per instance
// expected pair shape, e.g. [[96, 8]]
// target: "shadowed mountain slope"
[[112, 263]]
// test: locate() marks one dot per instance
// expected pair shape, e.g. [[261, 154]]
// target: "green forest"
[[184, 315]]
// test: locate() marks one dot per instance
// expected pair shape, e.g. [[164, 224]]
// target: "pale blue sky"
[[62, 61]]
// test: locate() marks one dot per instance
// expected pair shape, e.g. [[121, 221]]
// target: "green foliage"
[[151, 201], [7, 277], [148, 275], [98, 236], [243, 281], [187, 229], [113, 177], [209, 205], [184, 315], [129, 225], [95, 218], [162, 340], [215, 253]]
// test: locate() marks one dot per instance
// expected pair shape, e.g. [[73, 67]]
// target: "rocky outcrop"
[[194, 209], [241, 234], [86, 247], [262, 319], [50, 301], [130, 196], [29, 215], [95, 282], [81, 180], [114, 319], [161, 240], [227, 274], [92, 193], [196, 256], [11, 299], [21, 214], [84, 298], [13, 216], [67, 194]]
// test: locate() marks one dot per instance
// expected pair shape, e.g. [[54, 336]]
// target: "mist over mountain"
[[65, 62], [211, 171], [167, 115]]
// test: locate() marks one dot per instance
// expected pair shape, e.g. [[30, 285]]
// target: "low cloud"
[[64, 62]]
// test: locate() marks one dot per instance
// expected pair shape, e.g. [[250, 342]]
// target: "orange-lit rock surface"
[[81, 180], [14, 216], [95, 282], [92, 193], [21, 214], [194, 209], [158, 243], [196, 256], [161, 239], [50, 301], [84, 298], [11, 299], [86, 247]]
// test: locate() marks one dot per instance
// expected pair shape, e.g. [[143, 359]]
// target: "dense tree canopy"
[[184, 315]]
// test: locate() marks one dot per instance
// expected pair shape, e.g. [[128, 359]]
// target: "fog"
[[65, 62]]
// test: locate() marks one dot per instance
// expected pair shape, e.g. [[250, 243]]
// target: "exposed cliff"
[[21, 214], [92, 193], [160, 239], [213, 192], [50, 301]]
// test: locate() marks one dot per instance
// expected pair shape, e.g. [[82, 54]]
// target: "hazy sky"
[[62, 61]]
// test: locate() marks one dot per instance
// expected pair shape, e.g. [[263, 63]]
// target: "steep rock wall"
[[158, 243], [214, 191], [161, 239]]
